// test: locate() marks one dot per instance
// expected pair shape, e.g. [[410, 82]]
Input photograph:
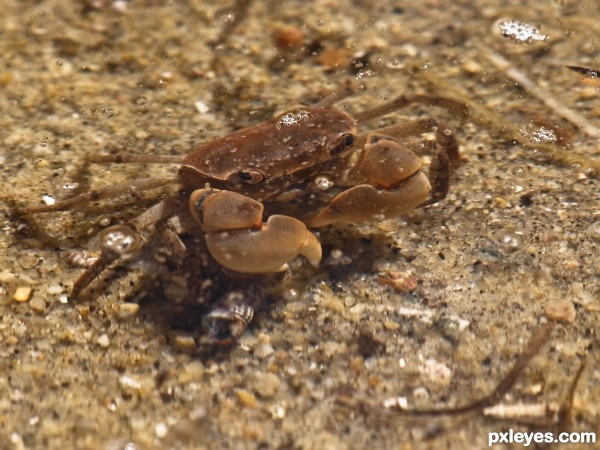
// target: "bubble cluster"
[[293, 118], [539, 135], [510, 239], [521, 31], [120, 239]]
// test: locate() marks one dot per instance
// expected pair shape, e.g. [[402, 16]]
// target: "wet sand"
[[431, 310]]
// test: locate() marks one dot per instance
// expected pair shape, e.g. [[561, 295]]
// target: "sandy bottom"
[[430, 310]]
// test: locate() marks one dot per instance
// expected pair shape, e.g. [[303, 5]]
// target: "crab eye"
[[251, 176], [348, 139]]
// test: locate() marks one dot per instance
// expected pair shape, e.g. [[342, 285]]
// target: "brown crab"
[[256, 192]]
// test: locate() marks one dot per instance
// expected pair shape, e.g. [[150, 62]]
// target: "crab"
[[258, 192]]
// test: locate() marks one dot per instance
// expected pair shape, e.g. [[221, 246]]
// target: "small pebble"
[[38, 303], [191, 372], [128, 382], [245, 398], [184, 342], [359, 308], [160, 430], [438, 375], [264, 350], [289, 38], [54, 289], [201, 107], [127, 310], [561, 311], [266, 385], [278, 412], [399, 281], [5, 276], [28, 261], [357, 364], [391, 325], [22, 294], [396, 402], [332, 303], [103, 341]]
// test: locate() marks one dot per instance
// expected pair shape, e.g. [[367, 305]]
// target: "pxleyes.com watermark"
[[517, 437]]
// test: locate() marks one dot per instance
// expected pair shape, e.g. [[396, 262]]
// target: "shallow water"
[[518, 232]]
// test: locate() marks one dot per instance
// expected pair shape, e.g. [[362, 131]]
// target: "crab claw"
[[390, 183], [237, 238], [269, 249], [365, 202]]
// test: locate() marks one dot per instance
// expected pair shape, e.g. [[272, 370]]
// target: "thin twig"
[[539, 338], [500, 126], [542, 94]]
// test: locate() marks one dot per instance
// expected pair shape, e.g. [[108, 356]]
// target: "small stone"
[[127, 310], [264, 350], [103, 341], [399, 281], [278, 412], [128, 382], [439, 375], [561, 311], [5, 276], [357, 364], [191, 372], [28, 261], [54, 289], [390, 325], [38, 303], [160, 430], [289, 38], [201, 107], [245, 398], [332, 303], [184, 342], [359, 308], [22, 294], [266, 385]]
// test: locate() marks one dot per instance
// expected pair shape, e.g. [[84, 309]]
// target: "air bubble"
[[512, 240], [521, 31], [323, 182], [141, 101], [292, 118], [538, 134], [120, 239], [518, 171], [291, 294], [70, 186], [108, 112], [104, 221]]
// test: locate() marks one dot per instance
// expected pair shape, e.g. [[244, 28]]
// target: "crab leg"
[[444, 160], [238, 239], [402, 101], [128, 187], [124, 241]]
